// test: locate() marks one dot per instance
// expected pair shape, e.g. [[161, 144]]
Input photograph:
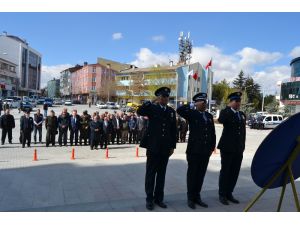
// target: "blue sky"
[[70, 38]]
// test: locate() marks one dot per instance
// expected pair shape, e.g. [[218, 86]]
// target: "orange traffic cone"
[[35, 155], [137, 152], [106, 153], [73, 154]]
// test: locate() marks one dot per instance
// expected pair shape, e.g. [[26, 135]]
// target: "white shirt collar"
[[233, 110]]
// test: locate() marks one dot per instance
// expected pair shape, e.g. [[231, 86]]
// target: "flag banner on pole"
[[208, 64], [195, 76]]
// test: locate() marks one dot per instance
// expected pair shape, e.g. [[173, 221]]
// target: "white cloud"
[[225, 66], [158, 38], [146, 58], [295, 52], [50, 72], [269, 77], [117, 36]]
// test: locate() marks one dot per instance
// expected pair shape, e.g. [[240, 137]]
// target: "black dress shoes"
[[161, 204], [198, 201], [223, 200], [232, 199], [191, 204], [150, 206]]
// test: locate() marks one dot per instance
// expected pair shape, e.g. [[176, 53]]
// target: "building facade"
[[290, 91], [53, 88], [8, 78], [28, 63], [94, 82], [66, 81], [139, 84]]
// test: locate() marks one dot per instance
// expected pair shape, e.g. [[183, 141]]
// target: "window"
[[93, 88], [280, 118], [12, 69], [93, 79], [268, 119], [94, 69], [275, 118]]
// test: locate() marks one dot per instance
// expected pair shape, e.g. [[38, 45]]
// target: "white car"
[[271, 121], [12, 103], [68, 102], [101, 105]]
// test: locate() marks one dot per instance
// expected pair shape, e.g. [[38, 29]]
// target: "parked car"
[[49, 102], [41, 101], [101, 105], [11, 102], [26, 106], [33, 103], [77, 102], [112, 105], [58, 101], [271, 121], [68, 102]]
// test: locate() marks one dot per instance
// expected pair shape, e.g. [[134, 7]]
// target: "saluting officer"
[[160, 142], [231, 145], [201, 143]]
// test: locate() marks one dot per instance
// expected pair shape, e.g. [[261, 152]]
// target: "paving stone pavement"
[[93, 183]]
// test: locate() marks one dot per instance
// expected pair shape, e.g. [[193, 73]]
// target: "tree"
[[239, 82], [220, 91]]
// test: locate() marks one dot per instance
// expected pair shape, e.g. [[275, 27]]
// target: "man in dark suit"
[[106, 132], [96, 128], [117, 126], [7, 123], [26, 127], [63, 126], [231, 145], [38, 125], [74, 127], [201, 143], [51, 125], [160, 142]]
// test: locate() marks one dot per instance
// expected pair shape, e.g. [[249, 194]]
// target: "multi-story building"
[[8, 78], [28, 63], [139, 84], [290, 91], [66, 81], [53, 88], [93, 81]]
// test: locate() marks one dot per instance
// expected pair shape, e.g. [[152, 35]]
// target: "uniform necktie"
[[238, 115]]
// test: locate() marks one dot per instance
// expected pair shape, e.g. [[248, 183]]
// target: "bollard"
[[73, 154], [137, 152], [106, 153], [35, 155]]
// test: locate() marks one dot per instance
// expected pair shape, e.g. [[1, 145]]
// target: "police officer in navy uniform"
[[160, 141], [201, 144], [231, 145]]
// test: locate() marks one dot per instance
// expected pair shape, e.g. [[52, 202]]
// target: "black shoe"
[[223, 200], [150, 206], [10, 142], [35, 142], [2, 143], [232, 199], [201, 203], [161, 204], [191, 204]]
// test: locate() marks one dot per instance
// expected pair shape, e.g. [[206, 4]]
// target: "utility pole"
[[263, 100]]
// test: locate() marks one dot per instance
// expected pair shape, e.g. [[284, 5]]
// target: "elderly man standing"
[[7, 123]]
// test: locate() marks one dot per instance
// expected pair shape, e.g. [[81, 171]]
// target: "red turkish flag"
[[195, 76], [208, 64]]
